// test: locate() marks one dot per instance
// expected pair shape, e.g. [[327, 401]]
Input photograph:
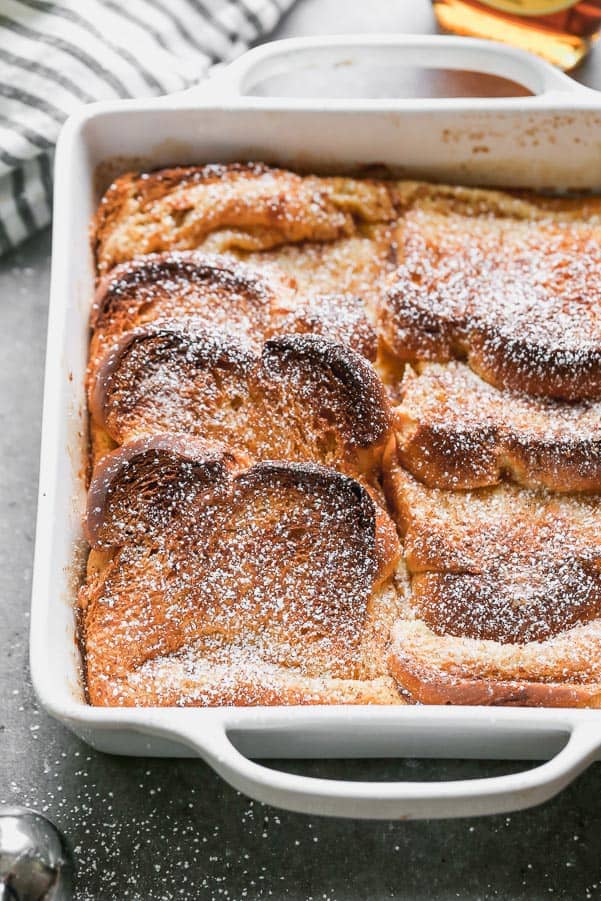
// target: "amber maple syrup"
[[561, 31]]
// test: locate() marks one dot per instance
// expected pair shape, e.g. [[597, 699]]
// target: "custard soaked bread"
[[455, 430], [505, 586], [214, 582], [514, 288], [217, 293], [189, 291], [265, 569], [504, 595], [563, 671], [301, 398], [503, 563], [235, 207]]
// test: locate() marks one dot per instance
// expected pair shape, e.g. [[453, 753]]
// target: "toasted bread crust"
[[219, 293], [150, 366], [218, 541], [211, 291], [501, 564], [562, 672], [302, 398], [243, 574], [229, 207], [520, 302], [186, 282], [339, 317], [505, 593], [456, 431], [123, 489], [367, 399]]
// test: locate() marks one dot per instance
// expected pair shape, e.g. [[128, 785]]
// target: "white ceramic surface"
[[549, 140]]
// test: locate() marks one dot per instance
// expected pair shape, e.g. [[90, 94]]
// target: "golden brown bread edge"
[[503, 596], [170, 517], [188, 284], [504, 563], [302, 398], [225, 207], [446, 304], [249, 207], [456, 431], [213, 292], [519, 300], [216, 292], [433, 669], [464, 199]]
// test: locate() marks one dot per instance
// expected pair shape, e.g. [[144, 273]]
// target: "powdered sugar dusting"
[[230, 207], [211, 290], [261, 591], [302, 398], [521, 300], [243, 571], [359, 264], [504, 564], [457, 431]]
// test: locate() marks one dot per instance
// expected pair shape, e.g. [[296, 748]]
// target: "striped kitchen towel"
[[56, 56]]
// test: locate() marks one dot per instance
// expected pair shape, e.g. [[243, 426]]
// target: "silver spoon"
[[34, 863]]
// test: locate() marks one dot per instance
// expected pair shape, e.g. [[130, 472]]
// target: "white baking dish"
[[550, 140]]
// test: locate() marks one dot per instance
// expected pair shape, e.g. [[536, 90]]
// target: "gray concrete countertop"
[[149, 829]]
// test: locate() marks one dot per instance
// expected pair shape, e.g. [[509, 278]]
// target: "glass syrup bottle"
[[561, 31]]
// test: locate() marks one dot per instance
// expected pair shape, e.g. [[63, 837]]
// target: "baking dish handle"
[[397, 800], [238, 78]]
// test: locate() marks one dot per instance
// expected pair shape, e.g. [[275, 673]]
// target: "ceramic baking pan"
[[549, 140]]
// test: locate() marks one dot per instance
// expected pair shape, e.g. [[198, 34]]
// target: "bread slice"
[[339, 317], [524, 206], [513, 287], [456, 431], [214, 291], [230, 207], [563, 671], [212, 582], [302, 398], [219, 292], [503, 563], [499, 572], [359, 264]]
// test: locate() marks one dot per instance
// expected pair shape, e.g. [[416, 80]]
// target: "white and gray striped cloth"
[[56, 56]]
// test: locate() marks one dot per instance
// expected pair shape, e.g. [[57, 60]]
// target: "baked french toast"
[[496, 569], [301, 398], [212, 293], [220, 293], [516, 296], [235, 207], [504, 563], [437, 669], [212, 581], [347, 443], [360, 264], [455, 430]]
